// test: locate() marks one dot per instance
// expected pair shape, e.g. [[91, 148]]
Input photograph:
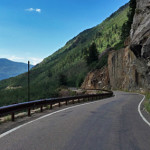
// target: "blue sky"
[[34, 29]]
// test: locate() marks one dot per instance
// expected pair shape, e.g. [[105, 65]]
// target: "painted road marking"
[[139, 110], [14, 129]]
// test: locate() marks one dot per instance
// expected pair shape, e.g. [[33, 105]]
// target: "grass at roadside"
[[147, 102], [147, 99]]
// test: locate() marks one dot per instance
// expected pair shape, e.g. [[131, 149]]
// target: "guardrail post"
[[73, 101], [29, 112], [96, 97], [78, 100], [51, 106], [59, 104], [41, 109], [13, 116], [66, 102]]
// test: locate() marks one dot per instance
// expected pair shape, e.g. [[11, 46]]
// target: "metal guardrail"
[[12, 109]]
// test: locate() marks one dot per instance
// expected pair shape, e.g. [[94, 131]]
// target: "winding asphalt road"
[[110, 124]]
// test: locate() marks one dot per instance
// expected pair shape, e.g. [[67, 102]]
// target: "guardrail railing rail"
[[12, 109]]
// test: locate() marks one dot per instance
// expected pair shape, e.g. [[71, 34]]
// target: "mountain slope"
[[10, 68], [69, 60]]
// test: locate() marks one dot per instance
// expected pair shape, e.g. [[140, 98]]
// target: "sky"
[[34, 29]]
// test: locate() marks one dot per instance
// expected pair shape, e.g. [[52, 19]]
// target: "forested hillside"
[[68, 64]]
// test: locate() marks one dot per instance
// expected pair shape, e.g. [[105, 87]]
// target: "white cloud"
[[38, 10], [30, 9], [15, 58], [33, 10], [33, 60]]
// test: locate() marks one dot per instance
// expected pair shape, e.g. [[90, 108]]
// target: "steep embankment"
[[69, 61], [129, 68]]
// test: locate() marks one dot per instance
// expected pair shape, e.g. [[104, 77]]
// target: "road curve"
[[110, 124]]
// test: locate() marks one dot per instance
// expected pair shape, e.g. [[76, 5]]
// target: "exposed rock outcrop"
[[97, 79], [140, 32], [126, 71], [140, 35]]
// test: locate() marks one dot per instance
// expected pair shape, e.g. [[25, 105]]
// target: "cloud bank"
[[38, 10], [33, 60]]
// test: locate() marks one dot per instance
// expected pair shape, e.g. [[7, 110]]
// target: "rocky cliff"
[[128, 68], [140, 32], [126, 71]]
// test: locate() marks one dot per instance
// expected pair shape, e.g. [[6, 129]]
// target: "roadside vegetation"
[[126, 27], [147, 102]]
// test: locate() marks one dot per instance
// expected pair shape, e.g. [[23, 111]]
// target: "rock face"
[[104, 53], [140, 35], [140, 32], [97, 79], [126, 71]]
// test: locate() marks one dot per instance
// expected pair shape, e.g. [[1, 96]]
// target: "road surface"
[[110, 124]]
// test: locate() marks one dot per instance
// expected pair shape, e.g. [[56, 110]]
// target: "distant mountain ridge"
[[10, 68]]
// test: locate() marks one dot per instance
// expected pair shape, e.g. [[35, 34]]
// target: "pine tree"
[[127, 25], [92, 54]]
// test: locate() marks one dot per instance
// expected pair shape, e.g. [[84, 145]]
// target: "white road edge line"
[[139, 110], [14, 129]]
